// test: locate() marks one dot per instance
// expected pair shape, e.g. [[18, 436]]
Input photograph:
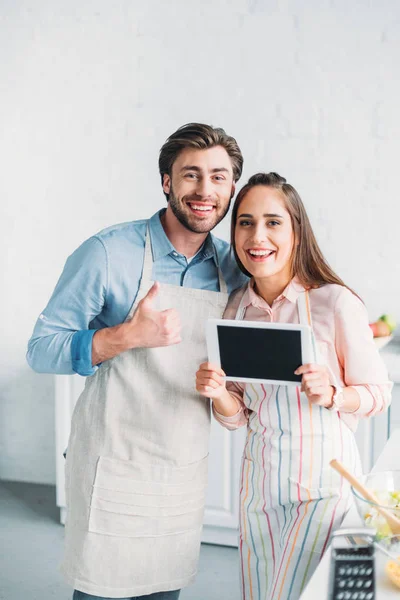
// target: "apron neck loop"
[[148, 264]]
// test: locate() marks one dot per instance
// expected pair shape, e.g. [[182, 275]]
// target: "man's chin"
[[200, 226]]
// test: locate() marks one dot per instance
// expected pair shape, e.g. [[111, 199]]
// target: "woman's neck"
[[269, 288]]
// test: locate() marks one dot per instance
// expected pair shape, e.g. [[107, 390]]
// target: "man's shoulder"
[[129, 230], [122, 237]]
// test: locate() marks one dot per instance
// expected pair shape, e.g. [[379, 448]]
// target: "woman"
[[290, 498]]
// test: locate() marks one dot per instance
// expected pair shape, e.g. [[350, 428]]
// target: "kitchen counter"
[[317, 588]]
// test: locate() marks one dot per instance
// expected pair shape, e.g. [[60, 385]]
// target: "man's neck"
[[184, 241]]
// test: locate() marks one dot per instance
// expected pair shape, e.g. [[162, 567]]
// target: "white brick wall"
[[90, 90]]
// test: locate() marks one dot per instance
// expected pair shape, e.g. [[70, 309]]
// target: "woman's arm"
[[367, 387]]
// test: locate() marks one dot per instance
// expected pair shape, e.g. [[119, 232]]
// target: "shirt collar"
[[161, 246], [291, 293]]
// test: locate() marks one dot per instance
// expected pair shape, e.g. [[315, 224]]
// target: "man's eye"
[[219, 178], [190, 176]]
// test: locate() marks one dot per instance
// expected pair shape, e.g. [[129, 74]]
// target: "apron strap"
[[241, 309], [304, 310], [222, 284], [148, 264], [148, 259]]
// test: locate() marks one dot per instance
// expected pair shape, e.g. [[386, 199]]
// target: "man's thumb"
[[151, 294]]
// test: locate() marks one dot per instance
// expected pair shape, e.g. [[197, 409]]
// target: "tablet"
[[254, 351]]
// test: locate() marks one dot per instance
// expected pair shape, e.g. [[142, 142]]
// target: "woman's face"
[[264, 235]]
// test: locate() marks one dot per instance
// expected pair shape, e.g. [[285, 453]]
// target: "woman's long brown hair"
[[308, 262]]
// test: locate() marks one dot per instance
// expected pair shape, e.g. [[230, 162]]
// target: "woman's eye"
[[244, 223], [273, 223]]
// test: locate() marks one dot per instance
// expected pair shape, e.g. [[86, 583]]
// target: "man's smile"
[[201, 208]]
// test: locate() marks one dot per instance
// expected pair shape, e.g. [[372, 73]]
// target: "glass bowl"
[[386, 487]]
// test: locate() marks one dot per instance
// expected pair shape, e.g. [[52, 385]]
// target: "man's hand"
[[316, 384], [148, 328], [151, 328]]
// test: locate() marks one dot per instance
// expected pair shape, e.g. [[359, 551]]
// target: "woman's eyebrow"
[[266, 215]]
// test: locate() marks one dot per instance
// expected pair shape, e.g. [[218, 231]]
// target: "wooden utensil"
[[391, 519]]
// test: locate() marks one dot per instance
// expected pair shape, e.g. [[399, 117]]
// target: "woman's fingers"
[[207, 366], [208, 379], [210, 382], [308, 368], [311, 380]]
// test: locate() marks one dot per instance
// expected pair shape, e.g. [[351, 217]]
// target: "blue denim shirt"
[[99, 284]]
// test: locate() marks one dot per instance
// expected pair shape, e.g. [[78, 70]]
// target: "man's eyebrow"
[[266, 215], [195, 168]]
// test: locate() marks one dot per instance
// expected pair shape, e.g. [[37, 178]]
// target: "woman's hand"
[[315, 383], [209, 382]]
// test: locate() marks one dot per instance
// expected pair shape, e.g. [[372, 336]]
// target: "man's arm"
[[62, 341]]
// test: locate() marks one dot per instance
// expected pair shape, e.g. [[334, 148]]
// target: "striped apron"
[[290, 499]]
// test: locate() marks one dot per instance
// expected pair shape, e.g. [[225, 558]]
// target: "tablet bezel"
[[214, 352]]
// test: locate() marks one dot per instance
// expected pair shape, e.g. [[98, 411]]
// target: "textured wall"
[[89, 91]]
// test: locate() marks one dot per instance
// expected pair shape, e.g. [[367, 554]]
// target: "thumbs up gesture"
[[150, 328]]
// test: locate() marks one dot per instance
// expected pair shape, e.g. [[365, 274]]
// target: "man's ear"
[[166, 183], [233, 190]]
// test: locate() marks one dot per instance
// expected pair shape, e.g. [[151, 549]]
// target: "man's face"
[[200, 188]]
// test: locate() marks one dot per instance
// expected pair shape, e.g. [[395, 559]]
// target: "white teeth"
[[260, 252], [201, 207]]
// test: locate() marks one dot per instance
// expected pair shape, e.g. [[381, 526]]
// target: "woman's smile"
[[260, 254]]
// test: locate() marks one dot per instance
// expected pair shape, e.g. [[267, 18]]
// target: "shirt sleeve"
[[363, 367], [62, 340], [242, 416]]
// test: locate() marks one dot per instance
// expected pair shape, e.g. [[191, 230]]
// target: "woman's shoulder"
[[334, 296]]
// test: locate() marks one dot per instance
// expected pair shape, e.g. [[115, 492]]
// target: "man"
[[129, 311]]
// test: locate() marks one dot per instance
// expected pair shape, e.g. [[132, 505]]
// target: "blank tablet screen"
[[260, 353]]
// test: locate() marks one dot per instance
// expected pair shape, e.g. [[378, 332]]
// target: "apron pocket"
[[132, 499], [302, 493]]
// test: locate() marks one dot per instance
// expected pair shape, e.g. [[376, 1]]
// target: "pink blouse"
[[344, 340]]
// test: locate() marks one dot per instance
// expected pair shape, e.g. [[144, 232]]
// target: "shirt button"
[[175, 253]]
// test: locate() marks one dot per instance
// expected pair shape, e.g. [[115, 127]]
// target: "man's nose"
[[204, 188]]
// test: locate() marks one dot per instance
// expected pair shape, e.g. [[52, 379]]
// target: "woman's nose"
[[259, 235]]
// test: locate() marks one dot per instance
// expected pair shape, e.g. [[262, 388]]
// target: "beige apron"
[[136, 467]]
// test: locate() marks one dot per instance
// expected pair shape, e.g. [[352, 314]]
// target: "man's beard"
[[189, 221]]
